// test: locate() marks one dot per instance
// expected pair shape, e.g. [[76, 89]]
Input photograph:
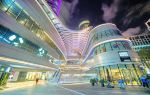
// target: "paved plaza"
[[74, 89]]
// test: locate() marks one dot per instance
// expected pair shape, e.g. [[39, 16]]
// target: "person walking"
[[109, 84], [121, 84], [96, 81], [92, 82], [102, 83], [37, 79]]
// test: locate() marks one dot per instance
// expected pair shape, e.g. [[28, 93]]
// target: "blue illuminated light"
[[8, 69], [6, 40]]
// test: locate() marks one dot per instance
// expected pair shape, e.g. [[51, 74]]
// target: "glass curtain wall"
[[105, 34], [110, 46], [12, 8], [128, 72], [11, 38]]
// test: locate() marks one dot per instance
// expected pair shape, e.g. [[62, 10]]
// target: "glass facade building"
[[109, 54], [141, 43], [12, 8], [13, 39], [113, 56]]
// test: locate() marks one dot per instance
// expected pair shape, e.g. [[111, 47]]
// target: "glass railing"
[[13, 39], [12, 8]]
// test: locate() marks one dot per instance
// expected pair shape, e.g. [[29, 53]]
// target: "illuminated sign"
[[124, 56]]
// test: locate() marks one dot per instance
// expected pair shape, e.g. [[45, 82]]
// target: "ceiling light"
[[21, 40], [12, 37], [40, 49]]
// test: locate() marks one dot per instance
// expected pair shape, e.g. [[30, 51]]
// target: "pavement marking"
[[72, 90], [74, 83]]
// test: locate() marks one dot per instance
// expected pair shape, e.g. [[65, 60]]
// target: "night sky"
[[128, 15]]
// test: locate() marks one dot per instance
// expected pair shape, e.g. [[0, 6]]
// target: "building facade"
[[141, 44], [113, 55]]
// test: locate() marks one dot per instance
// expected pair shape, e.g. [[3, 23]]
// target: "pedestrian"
[[144, 81], [91, 81], [121, 84], [109, 84], [102, 82], [37, 79], [96, 81]]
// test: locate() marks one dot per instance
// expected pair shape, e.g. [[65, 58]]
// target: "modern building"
[[148, 24], [35, 42], [140, 42], [113, 57]]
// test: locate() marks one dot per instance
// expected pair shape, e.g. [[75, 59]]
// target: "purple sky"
[[128, 15]]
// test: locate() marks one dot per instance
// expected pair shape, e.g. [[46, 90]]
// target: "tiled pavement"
[[74, 89]]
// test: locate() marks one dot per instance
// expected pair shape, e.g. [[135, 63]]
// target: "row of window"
[[140, 37], [144, 42], [105, 34], [12, 8], [15, 11], [109, 46], [52, 17], [11, 38]]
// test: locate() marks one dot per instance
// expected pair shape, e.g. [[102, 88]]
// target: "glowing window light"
[[40, 49], [8, 69], [21, 40], [13, 37], [43, 51], [16, 44]]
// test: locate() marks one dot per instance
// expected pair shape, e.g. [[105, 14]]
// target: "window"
[[39, 33], [99, 35], [99, 49], [46, 9], [126, 45], [14, 10], [34, 28], [142, 37], [96, 51], [120, 45], [109, 34], [29, 23], [112, 32], [96, 36], [5, 4], [116, 32], [106, 33], [103, 34], [108, 47], [114, 45], [22, 18], [93, 38], [103, 48]]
